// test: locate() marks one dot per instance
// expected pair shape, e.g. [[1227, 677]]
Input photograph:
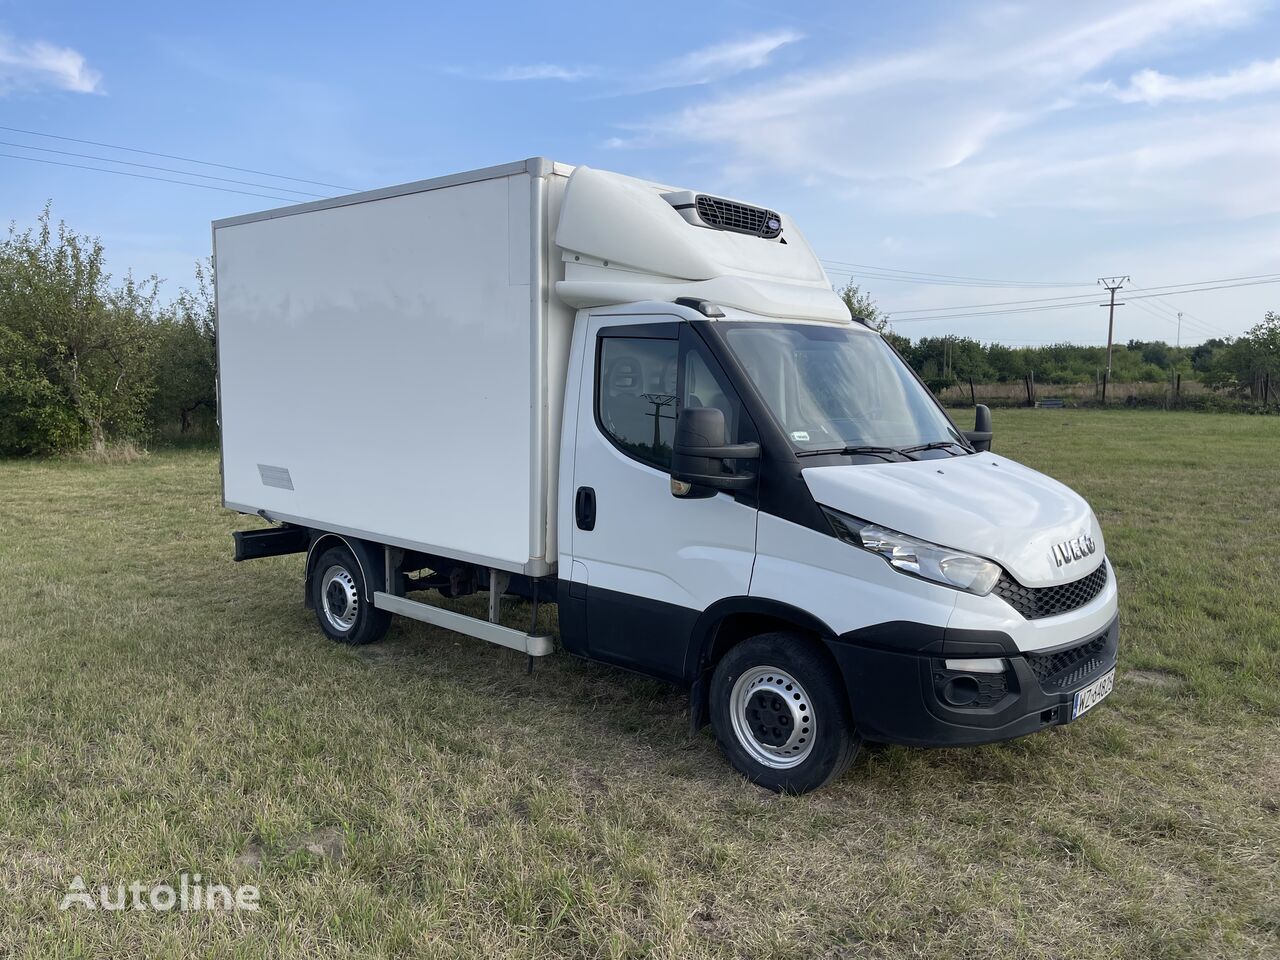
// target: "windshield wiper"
[[935, 445], [882, 452], [885, 453]]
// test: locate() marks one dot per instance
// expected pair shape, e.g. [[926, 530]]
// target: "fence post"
[[973, 397], [1105, 377]]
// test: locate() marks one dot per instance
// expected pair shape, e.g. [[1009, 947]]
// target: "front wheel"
[[780, 713], [338, 595]]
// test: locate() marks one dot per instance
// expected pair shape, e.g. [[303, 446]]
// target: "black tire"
[[338, 590], [790, 688]]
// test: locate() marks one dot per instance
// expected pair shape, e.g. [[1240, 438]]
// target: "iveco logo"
[[1076, 549]]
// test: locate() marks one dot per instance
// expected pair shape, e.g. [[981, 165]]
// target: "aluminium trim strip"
[[534, 567], [535, 166], [533, 645], [217, 363]]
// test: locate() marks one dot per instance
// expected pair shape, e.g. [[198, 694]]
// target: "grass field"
[[164, 710]]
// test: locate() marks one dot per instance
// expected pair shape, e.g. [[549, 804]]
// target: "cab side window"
[[636, 396]]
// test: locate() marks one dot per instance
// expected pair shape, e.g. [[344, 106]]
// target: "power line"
[[144, 176], [1173, 312], [170, 156], [1221, 286], [1161, 312], [992, 313], [930, 281], [850, 275], [1078, 301], [1196, 283], [152, 166], [1081, 298], [948, 276], [1173, 322]]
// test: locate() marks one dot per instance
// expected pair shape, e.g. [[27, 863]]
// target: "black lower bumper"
[[898, 694]]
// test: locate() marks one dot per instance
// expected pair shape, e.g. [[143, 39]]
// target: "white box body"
[[391, 365]]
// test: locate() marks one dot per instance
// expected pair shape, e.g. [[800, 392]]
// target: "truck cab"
[[779, 516]]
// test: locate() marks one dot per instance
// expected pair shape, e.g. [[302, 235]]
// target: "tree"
[[1247, 363], [1154, 352], [74, 365], [1258, 356], [862, 306], [184, 357], [1203, 354]]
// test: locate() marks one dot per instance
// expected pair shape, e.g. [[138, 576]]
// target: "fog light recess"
[[961, 691]]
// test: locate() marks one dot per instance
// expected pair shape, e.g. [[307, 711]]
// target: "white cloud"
[[696, 68], [39, 64], [948, 119], [1173, 168], [715, 62], [541, 71], [1151, 86]]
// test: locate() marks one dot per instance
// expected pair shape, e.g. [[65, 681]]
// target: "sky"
[[956, 159]]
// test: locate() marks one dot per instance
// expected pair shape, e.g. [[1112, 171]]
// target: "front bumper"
[[901, 692]]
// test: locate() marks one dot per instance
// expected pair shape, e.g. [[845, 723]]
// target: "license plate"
[[1093, 694]]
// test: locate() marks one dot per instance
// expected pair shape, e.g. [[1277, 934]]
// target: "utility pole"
[[1111, 284], [1179, 343]]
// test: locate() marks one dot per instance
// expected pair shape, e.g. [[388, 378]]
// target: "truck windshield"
[[834, 388]]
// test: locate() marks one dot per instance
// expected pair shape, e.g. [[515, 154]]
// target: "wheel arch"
[[727, 623], [368, 557]]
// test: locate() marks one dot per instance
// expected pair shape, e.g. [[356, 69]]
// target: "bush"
[[85, 361]]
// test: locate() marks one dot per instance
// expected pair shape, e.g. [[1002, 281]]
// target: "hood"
[[983, 504]]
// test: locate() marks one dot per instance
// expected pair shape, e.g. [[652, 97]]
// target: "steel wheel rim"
[[773, 718], [339, 598]]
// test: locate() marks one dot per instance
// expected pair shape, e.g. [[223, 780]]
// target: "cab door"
[[649, 562]]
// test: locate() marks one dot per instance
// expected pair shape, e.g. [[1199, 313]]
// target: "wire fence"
[[1173, 394]]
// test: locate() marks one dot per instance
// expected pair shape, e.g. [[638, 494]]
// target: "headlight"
[[920, 558]]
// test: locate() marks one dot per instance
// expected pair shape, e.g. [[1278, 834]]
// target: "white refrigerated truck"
[[646, 405]]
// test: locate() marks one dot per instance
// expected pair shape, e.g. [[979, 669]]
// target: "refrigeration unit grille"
[[738, 217]]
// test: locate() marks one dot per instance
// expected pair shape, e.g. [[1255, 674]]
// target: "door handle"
[[584, 508]]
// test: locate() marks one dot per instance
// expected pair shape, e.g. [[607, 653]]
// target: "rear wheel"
[[780, 713], [338, 593]]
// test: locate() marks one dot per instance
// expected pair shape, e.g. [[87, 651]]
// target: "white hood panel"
[[983, 504]]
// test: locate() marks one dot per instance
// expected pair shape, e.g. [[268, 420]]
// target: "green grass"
[[165, 710]]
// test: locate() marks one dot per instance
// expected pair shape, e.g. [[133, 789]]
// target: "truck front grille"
[[1066, 669], [738, 217], [1035, 603]]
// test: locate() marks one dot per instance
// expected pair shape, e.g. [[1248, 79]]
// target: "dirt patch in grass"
[[1152, 678]]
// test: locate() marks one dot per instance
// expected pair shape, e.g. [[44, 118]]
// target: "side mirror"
[[980, 435], [699, 453]]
